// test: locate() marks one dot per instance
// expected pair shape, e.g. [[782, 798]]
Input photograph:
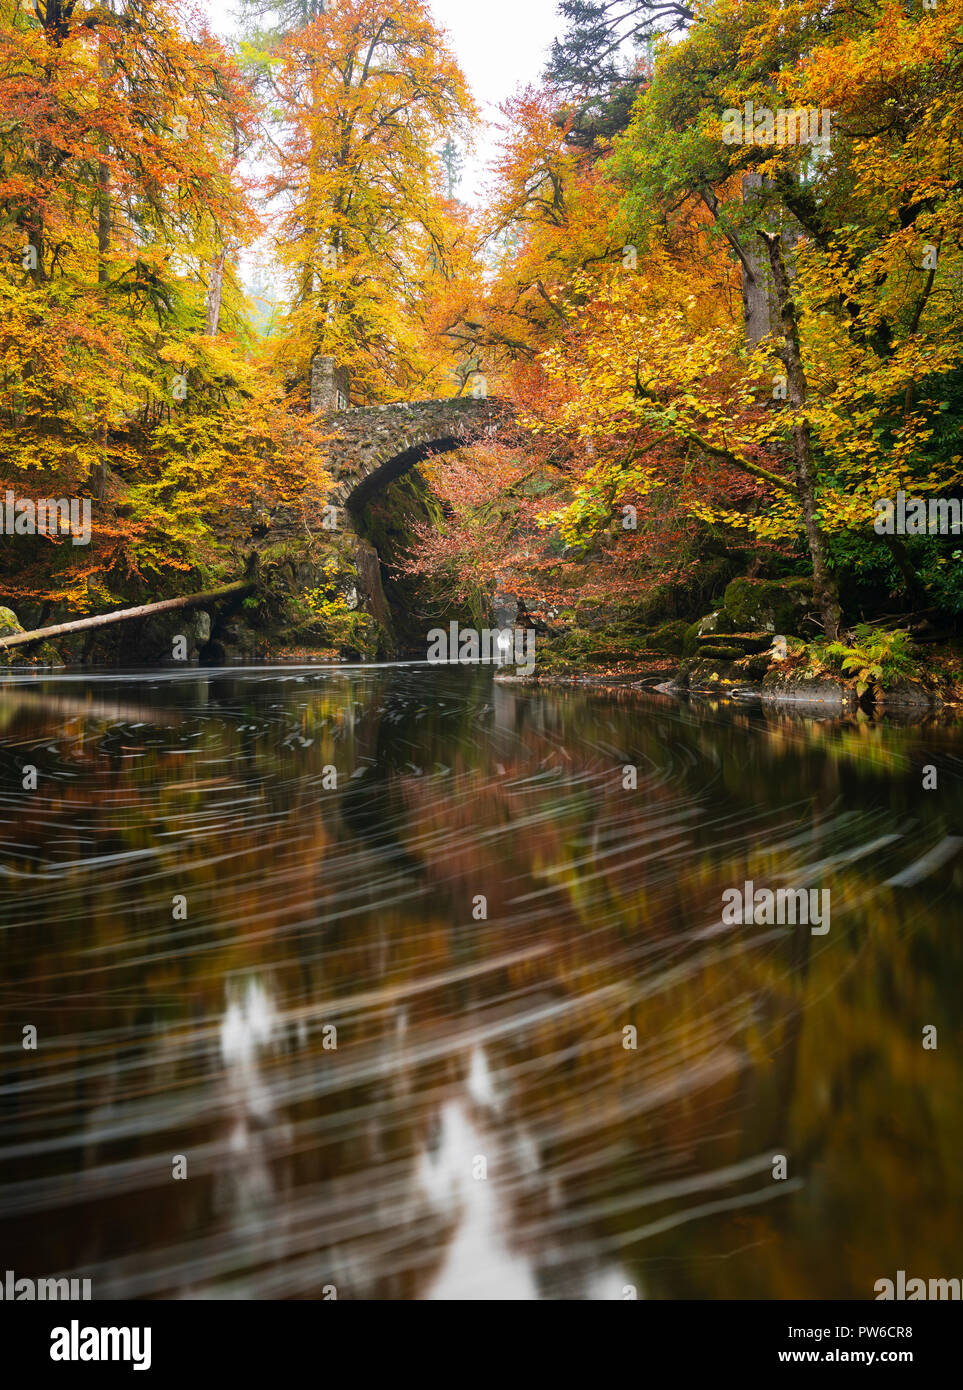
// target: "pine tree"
[[451, 158], [588, 58]]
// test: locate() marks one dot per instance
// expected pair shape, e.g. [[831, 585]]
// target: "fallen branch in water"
[[123, 615]]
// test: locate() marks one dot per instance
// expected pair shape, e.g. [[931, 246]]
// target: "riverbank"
[[824, 700], [826, 695], [761, 642]]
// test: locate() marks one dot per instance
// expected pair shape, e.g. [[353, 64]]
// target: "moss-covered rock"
[[9, 623], [755, 667], [793, 688], [9, 626], [37, 654], [746, 642], [774, 606], [712, 623], [711, 674], [908, 695], [714, 652], [669, 638], [572, 648], [312, 594]]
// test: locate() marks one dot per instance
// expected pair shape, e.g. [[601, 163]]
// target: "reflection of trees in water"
[[309, 1166]]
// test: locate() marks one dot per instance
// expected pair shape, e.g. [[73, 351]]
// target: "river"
[[395, 982]]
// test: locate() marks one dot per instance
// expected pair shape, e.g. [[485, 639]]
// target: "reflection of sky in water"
[[477, 1263], [245, 1189], [248, 1026]]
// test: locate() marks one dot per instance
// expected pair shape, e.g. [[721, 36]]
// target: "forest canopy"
[[718, 276]]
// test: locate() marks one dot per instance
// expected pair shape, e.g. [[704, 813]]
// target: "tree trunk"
[[99, 471], [214, 294], [825, 591], [123, 615], [756, 301]]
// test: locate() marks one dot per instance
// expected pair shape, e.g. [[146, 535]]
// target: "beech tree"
[[366, 93], [121, 210]]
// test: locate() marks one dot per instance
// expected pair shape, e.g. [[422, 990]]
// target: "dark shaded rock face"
[[824, 693], [160, 638], [371, 591], [908, 697]]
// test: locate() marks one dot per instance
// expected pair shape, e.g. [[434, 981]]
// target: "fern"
[[875, 659]]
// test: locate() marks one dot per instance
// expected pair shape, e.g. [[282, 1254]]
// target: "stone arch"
[[374, 445]]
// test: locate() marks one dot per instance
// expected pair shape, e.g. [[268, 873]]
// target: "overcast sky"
[[500, 44]]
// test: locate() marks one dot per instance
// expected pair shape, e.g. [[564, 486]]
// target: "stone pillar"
[[330, 385]]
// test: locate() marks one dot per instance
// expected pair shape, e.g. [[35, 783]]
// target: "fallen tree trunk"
[[123, 615]]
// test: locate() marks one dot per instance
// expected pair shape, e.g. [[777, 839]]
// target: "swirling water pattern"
[[242, 910]]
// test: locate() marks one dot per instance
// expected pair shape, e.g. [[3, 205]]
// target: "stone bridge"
[[373, 445], [367, 448]]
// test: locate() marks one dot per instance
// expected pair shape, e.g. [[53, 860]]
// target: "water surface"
[[358, 950]]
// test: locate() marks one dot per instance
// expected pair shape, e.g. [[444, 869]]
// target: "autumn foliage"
[[617, 314], [619, 287]]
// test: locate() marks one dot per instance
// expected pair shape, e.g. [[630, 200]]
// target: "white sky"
[[501, 45]]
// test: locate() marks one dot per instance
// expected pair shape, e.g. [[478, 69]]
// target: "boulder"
[[38, 654], [9, 623], [718, 652], [824, 693], [746, 642], [754, 668], [768, 605], [711, 674], [716, 622], [908, 697], [668, 638]]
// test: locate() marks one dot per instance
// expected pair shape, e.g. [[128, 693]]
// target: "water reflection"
[[384, 1028], [454, 1171]]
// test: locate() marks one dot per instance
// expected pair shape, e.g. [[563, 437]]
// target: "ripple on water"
[[464, 1020]]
